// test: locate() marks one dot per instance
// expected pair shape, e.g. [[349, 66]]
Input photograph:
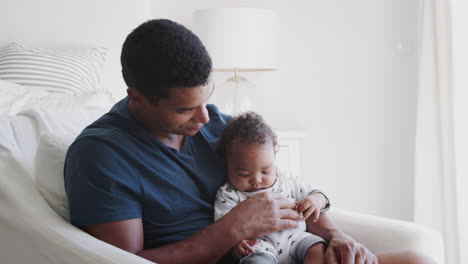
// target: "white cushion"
[[64, 121], [50, 159], [33, 100], [15, 98], [58, 130], [65, 71]]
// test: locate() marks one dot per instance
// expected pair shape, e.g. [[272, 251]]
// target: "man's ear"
[[135, 96]]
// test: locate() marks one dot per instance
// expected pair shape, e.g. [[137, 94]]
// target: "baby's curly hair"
[[161, 54], [248, 127]]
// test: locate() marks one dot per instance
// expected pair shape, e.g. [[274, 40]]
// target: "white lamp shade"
[[244, 39]]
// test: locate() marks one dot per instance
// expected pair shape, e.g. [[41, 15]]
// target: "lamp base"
[[235, 95]]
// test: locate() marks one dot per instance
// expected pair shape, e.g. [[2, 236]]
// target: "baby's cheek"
[[238, 183]]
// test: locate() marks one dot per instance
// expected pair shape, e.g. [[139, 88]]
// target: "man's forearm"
[[325, 227], [341, 247], [259, 215], [207, 246]]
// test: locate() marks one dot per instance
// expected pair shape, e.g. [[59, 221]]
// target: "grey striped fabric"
[[64, 71]]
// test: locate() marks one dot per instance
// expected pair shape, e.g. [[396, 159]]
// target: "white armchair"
[[381, 234], [31, 231]]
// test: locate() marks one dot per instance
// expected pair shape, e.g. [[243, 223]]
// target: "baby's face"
[[251, 166]]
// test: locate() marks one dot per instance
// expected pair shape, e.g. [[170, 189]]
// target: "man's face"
[[183, 113]]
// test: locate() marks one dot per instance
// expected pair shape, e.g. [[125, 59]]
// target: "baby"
[[250, 146]]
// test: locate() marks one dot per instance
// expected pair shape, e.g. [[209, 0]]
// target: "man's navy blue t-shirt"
[[117, 170]]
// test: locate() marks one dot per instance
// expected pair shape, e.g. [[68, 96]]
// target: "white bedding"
[[16, 98], [18, 141]]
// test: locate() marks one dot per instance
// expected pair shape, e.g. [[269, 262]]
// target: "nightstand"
[[288, 157]]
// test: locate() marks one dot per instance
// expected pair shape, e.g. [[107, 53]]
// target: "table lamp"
[[238, 40]]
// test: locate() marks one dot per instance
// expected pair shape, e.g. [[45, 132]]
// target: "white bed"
[[38, 122]]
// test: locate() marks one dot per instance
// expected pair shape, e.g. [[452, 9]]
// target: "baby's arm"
[[243, 249], [312, 204], [225, 201], [311, 200]]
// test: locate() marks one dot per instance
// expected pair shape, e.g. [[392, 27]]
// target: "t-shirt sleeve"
[[214, 128], [101, 186]]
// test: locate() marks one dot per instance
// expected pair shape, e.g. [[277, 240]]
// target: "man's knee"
[[259, 258]]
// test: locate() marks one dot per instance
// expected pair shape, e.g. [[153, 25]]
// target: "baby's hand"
[[312, 204], [243, 249]]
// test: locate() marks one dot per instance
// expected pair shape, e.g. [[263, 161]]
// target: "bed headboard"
[[62, 24]]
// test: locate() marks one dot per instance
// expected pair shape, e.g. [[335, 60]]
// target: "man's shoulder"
[[216, 115], [101, 139], [100, 130], [218, 120], [93, 144], [115, 125]]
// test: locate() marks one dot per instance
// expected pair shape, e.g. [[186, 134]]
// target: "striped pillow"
[[65, 71]]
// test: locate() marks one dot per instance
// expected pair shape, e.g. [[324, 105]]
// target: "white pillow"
[[64, 121], [64, 71], [58, 131], [50, 159], [33, 100]]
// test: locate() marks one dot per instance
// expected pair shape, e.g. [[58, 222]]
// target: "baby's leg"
[[259, 258], [310, 249], [265, 253], [315, 254]]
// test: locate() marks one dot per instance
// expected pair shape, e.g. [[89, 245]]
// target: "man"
[[144, 176]]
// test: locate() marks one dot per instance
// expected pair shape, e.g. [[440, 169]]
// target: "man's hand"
[[342, 249], [312, 204], [243, 248], [345, 250], [263, 214]]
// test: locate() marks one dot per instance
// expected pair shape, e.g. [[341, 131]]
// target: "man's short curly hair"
[[161, 54], [248, 127]]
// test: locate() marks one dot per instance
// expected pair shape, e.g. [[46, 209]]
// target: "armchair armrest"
[[380, 234], [31, 232]]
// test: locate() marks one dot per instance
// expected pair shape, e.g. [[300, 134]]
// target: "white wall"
[[348, 79], [65, 24]]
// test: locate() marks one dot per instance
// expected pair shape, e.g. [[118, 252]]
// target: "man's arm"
[[262, 214], [203, 247], [341, 247]]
